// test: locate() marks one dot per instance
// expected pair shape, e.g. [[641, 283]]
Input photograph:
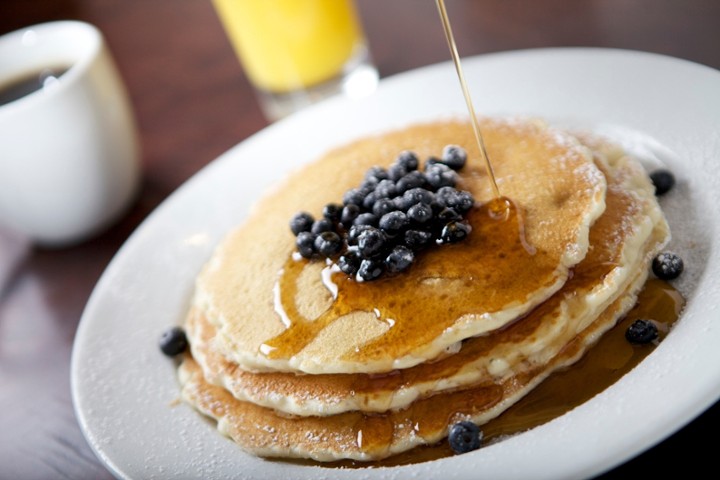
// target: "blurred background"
[[192, 102]]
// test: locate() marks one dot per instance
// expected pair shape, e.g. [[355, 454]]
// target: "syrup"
[[444, 284], [601, 366], [468, 101]]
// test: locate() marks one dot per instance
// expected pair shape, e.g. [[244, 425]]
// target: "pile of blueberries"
[[393, 214]]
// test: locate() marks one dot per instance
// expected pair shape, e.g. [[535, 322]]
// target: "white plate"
[[665, 109]]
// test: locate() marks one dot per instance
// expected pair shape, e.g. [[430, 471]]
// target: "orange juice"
[[285, 45]]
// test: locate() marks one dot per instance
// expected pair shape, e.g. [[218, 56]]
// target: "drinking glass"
[[297, 52]]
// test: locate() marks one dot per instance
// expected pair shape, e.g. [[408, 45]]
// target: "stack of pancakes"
[[296, 360]]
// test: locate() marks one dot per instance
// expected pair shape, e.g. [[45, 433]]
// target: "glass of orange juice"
[[297, 52]]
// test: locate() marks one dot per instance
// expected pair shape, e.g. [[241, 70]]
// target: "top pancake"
[[274, 312]]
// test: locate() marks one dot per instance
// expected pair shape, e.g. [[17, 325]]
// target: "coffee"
[[26, 84]]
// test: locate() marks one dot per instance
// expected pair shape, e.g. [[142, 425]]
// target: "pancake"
[[275, 313], [367, 437], [631, 230]]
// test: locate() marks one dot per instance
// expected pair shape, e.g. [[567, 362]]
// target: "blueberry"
[[355, 231], [371, 242], [349, 262], [454, 232], [349, 213], [431, 161], [394, 212], [667, 266], [413, 179], [463, 202], [420, 213], [301, 222], [366, 219], [173, 341], [354, 196], [402, 203], [399, 259], [328, 244], [641, 331], [394, 222], [408, 160], [454, 157], [305, 243], [383, 206], [417, 239], [445, 196], [418, 195], [460, 200], [464, 437], [378, 173], [440, 175], [664, 181], [447, 215], [386, 189], [332, 212], [396, 172], [322, 225], [369, 201], [437, 207], [370, 270]]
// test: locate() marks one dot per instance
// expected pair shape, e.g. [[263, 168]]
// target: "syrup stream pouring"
[[499, 204]]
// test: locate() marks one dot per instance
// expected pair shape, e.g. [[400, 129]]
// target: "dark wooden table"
[[193, 102]]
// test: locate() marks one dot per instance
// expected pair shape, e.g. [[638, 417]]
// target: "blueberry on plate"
[[641, 331], [664, 181], [464, 437], [173, 341], [667, 266]]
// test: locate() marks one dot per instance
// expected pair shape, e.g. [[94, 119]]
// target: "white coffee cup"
[[69, 152]]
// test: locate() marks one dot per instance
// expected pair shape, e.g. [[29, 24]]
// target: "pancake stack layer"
[[295, 359]]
